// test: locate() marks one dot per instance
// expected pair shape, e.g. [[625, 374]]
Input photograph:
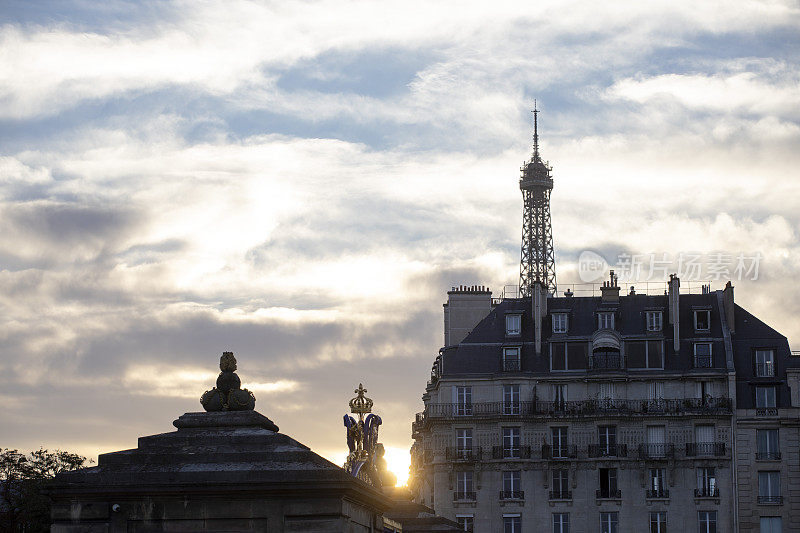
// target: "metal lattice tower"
[[537, 262]]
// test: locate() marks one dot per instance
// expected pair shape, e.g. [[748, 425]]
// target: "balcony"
[[560, 494], [464, 496], [608, 450], [656, 493], [513, 408], [705, 449], [516, 452], [463, 455], [765, 370], [656, 451], [766, 411], [605, 362], [706, 492], [703, 361], [511, 364], [559, 452], [512, 495], [770, 500], [768, 456], [608, 494]]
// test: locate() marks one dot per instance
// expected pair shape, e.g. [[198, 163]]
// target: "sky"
[[302, 182]]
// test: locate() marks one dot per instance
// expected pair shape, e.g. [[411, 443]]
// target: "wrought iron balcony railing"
[[706, 492], [559, 452], [511, 452], [608, 494], [656, 451], [608, 450], [770, 500], [512, 495], [560, 494], [766, 411], [703, 361], [708, 449], [458, 454], [657, 493], [768, 456], [469, 495], [511, 364], [605, 362]]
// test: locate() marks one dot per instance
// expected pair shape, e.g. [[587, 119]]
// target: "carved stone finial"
[[228, 394]]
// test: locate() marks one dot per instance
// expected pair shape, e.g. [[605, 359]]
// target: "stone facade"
[[612, 413]]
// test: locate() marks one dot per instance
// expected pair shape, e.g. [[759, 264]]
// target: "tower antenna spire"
[[535, 131]]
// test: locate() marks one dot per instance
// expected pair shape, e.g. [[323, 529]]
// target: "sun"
[[397, 461]]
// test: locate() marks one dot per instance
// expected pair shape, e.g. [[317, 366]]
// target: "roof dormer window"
[[560, 322], [605, 320], [702, 320], [653, 320], [513, 324]]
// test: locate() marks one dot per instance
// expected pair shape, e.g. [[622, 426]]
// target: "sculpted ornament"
[[228, 394]]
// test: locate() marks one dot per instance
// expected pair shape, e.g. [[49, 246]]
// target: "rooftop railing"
[[650, 288]]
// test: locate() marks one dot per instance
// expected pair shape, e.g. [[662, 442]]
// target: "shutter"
[[704, 433]]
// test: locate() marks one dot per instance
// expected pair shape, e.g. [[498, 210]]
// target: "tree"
[[23, 507]]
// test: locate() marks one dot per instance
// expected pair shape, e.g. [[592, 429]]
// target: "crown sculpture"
[[366, 460], [228, 394]]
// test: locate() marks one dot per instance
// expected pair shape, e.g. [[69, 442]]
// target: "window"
[[569, 355], [607, 439], [704, 440], [606, 390], [559, 395], [464, 490], [702, 320], [513, 324], [653, 320], [658, 522], [512, 524], [657, 483], [770, 524], [511, 442], [769, 487], [560, 443], [765, 397], [706, 482], [463, 443], [608, 483], [467, 523], [560, 324], [644, 354], [765, 363], [463, 401], [560, 522], [511, 404], [511, 362], [656, 441], [561, 484], [609, 522], [702, 355], [511, 485], [655, 391], [768, 447], [707, 521], [605, 320]]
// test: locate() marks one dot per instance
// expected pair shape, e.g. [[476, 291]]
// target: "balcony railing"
[[703, 361], [765, 370], [559, 452], [657, 493], [605, 362], [578, 408], [608, 450], [512, 495], [608, 494], [766, 411], [458, 454], [770, 500], [706, 492], [469, 496], [708, 449], [511, 364], [768, 456], [656, 451], [515, 452], [560, 494]]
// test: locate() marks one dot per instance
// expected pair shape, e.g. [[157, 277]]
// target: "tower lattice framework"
[[537, 260]]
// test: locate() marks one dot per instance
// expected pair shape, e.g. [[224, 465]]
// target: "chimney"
[[727, 305], [539, 311], [610, 290], [674, 317], [465, 307]]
